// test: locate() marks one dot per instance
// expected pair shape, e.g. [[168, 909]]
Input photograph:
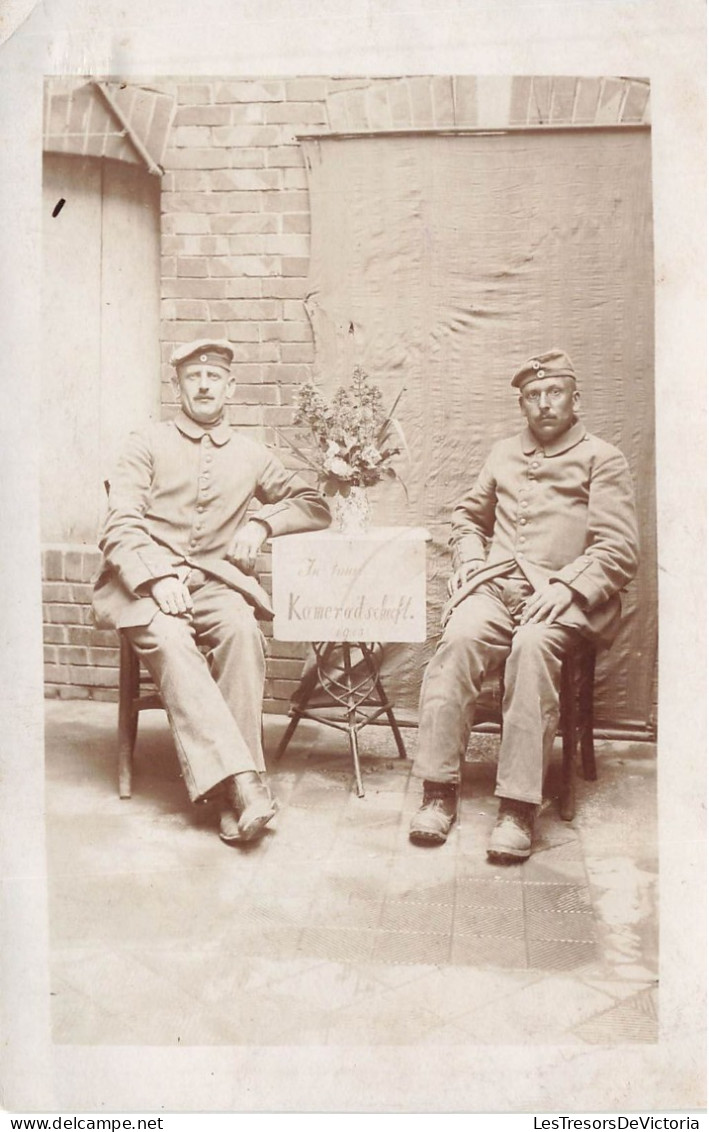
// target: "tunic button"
[[524, 503], [523, 520], [522, 538]]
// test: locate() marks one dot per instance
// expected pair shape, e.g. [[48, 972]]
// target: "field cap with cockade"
[[552, 363], [209, 351]]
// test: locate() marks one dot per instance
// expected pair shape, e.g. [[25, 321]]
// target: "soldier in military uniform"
[[179, 548], [542, 546]]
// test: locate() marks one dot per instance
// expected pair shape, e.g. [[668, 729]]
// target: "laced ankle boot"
[[432, 822], [511, 839]]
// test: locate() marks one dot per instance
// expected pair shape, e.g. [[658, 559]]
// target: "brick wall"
[[235, 246], [80, 661]]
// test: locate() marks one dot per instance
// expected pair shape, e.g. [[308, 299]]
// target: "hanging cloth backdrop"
[[439, 263]]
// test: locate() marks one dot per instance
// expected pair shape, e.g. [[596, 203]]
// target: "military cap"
[[211, 351], [552, 363]]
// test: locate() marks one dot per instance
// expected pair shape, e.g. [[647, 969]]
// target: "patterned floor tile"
[[561, 926], [332, 986], [272, 940], [421, 889], [478, 893], [284, 911], [404, 916], [451, 991], [353, 876], [488, 951], [319, 795], [339, 945], [552, 898], [549, 869], [473, 864], [388, 1021], [146, 1003], [272, 1018], [362, 817], [561, 955], [633, 1020], [411, 947], [486, 921], [550, 1005], [79, 1020], [301, 878], [345, 912], [366, 843]]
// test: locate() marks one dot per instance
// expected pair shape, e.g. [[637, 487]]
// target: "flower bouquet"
[[352, 439]]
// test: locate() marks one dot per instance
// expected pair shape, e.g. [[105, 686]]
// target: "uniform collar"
[[220, 434], [568, 439]]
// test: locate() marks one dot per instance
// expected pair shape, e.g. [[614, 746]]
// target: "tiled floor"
[[334, 929]]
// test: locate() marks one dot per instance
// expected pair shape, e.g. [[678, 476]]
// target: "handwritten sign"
[[367, 587]]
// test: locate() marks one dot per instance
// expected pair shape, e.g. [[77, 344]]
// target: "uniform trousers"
[[484, 634], [214, 697]]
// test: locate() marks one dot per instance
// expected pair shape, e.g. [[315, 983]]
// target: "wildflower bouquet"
[[352, 439]]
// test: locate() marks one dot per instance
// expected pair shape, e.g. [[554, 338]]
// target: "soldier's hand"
[[547, 604], [462, 574], [172, 596], [247, 542]]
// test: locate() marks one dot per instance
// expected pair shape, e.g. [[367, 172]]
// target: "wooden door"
[[100, 322]]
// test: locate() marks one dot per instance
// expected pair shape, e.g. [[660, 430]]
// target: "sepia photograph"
[[347, 513], [281, 261]]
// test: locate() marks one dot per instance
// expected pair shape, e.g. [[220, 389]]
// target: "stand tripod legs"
[[374, 671], [346, 692]]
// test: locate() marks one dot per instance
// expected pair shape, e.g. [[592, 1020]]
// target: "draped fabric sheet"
[[439, 263]]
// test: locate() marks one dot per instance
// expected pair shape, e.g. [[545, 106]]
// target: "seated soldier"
[[179, 550], [542, 545]]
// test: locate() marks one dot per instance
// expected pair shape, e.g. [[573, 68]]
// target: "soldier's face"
[[203, 390], [549, 405]]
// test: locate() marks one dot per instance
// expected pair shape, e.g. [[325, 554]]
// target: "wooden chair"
[[133, 697], [576, 720], [576, 716]]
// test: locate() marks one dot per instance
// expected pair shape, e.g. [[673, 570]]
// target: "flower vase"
[[351, 512]]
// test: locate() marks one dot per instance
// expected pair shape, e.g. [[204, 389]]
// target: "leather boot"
[[249, 809], [511, 839], [432, 822]]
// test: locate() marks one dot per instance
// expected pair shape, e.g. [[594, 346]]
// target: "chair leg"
[[587, 676], [567, 796], [287, 734], [128, 688], [300, 704]]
